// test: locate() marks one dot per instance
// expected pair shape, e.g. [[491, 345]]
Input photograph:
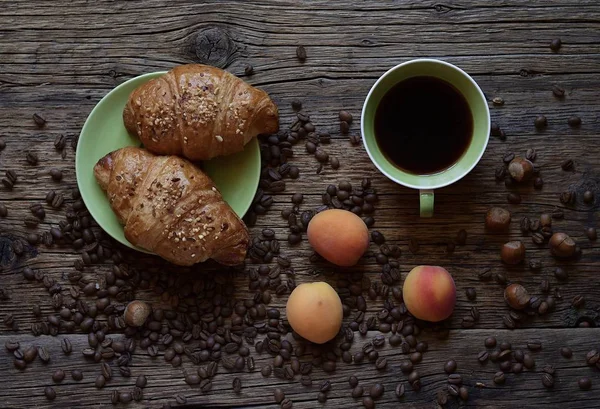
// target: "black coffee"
[[423, 125]]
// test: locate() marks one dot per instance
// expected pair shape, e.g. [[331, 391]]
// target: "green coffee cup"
[[481, 127]]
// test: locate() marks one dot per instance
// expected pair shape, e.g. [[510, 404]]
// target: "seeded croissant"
[[170, 207], [198, 112]]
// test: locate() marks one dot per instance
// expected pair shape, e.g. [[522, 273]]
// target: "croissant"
[[198, 112], [170, 207]]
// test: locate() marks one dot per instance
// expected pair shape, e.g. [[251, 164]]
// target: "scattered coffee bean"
[[50, 393], [585, 383], [301, 53], [368, 402], [566, 352], [56, 174], [588, 197], [591, 233], [555, 44], [548, 381], [248, 70], [471, 293], [77, 375], [376, 391], [558, 91], [58, 375], [449, 367], [490, 342], [499, 378], [39, 121], [357, 392], [574, 121]]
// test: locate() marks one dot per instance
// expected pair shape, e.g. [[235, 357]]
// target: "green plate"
[[236, 175]]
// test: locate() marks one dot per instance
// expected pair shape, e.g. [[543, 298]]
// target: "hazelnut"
[[520, 169], [497, 219], [513, 252], [136, 313], [546, 220], [561, 245], [516, 296]]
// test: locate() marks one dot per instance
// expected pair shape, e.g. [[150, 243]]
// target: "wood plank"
[[61, 70], [257, 391]]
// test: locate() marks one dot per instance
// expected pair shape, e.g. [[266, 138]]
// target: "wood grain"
[[59, 59]]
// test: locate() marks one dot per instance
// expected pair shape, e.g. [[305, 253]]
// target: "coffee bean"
[[56, 174], [345, 116], [566, 352], [471, 293], [585, 383], [59, 142], [508, 157], [368, 402], [449, 367], [555, 44], [567, 198], [381, 363], [548, 380], [44, 354], [574, 121], [540, 123], [322, 397], [452, 390], [77, 375], [278, 395], [483, 356], [588, 197], [345, 128], [301, 53], [321, 155], [498, 101], [400, 390], [100, 381], [534, 346], [357, 392], [248, 70], [50, 393], [310, 147], [592, 357], [32, 158], [567, 164], [3, 210], [376, 391], [591, 233], [558, 91], [499, 378], [528, 361], [578, 301], [58, 375], [192, 379], [335, 162], [455, 379]]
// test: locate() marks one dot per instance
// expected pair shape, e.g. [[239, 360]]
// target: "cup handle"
[[426, 202]]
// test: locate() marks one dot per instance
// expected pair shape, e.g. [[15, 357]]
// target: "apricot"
[[314, 310], [429, 293], [340, 236]]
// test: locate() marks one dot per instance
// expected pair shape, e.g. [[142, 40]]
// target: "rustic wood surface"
[[58, 59]]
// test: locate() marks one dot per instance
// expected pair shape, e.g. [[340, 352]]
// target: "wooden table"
[[60, 58]]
